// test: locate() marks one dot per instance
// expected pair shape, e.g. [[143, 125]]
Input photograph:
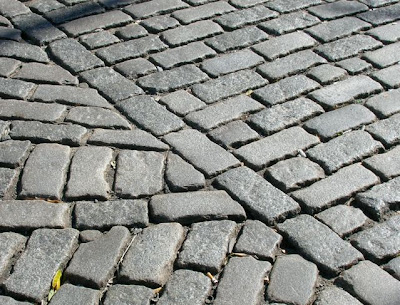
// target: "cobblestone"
[[284, 6], [124, 294], [44, 6], [11, 245], [10, 301], [11, 34], [99, 39], [386, 165], [8, 178], [393, 267], [131, 31], [289, 23], [381, 15], [205, 11], [68, 13], [8, 66], [336, 296], [70, 294], [181, 102], [385, 130], [389, 77], [23, 51], [386, 33], [159, 23], [13, 153], [354, 65], [233, 134], [154, 7], [338, 9], [135, 68], [386, 56], [14, 88], [12, 8], [37, 72]]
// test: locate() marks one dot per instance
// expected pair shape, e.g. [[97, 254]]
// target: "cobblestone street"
[[199, 152]]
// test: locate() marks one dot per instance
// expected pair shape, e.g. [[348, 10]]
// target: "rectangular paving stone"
[[23, 51], [386, 33], [42, 73], [13, 153], [15, 88], [231, 62], [11, 8], [98, 39], [173, 79], [8, 66], [389, 77], [347, 47], [87, 173], [275, 147], [223, 112], [386, 130], [246, 3], [148, 114], [385, 165], [69, 294], [139, 173], [182, 102], [134, 68], [386, 56], [125, 294], [91, 23], [96, 117], [48, 181], [285, 6], [235, 289], [284, 115], [15, 109], [192, 32], [330, 124], [319, 244], [228, 85], [336, 188], [189, 207], [46, 252], [158, 24], [154, 7], [354, 65], [285, 89], [289, 23], [205, 155], [11, 244], [344, 150], [381, 15], [326, 74], [151, 257], [67, 13], [131, 31], [4, 130], [45, 6], [237, 39], [205, 11], [104, 215], [284, 45], [130, 49], [257, 195], [111, 84], [73, 55], [94, 263], [8, 181], [338, 9], [377, 3], [10, 33], [346, 91]]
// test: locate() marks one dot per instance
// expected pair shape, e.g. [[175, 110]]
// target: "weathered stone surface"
[[97, 117], [13, 153], [386, 130], [154, 7], [10, 33], [44, 6], [99, 39], [33, 214], [393, 267], [8, 66], [381, 15], [37, 72], [272, 148], [371, 284], [131, 31], [159, 23], [23, 51], [386, 165], [289, 22], [11, 244], [292, 280], [207, 245], [386, 56], [319, 244], [186, 287], [87, 173], [258, 196], [94, 263], [259, 240], [8, 180], [68, 13], [205, 155], [335, 296], [354, 65], [135, 68], [233, 134], [338, 9], [139, 173], [245, 3], [150, 259], [10, 301], [14, 88], [4, 130], [46, 252], [205, 11], [69, 295], [235, 289], [12, 8], [386, 33], [104, 215], [377, 3], [89, 235], [148, 114], [326, 74], [181, 102], [389, 77], [386, 103], [190, 207], [128, 294], [284, 6]]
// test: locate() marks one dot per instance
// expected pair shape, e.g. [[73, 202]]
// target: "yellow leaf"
[[57, 280]]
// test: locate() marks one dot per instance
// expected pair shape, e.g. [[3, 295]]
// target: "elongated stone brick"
[[387, 164], [338, 9], [69, 294], [143, 10], [15, 88], [13, 153], [24, 51], [125, 294]]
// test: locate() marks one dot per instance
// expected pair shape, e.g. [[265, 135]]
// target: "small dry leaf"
[[57, 280], [250, 92], [51, 294]]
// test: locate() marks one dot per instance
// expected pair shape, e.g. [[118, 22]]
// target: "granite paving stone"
[[8, 66], [386, 33], [319, 244], [11, 244], [285, 6], [10, 301], [377, 3], [4, 130], [354, 65], [70, 294], [246, 3], [393, 267], [150, 259], [47, 251], [385, 165], [128, 294], [385, 104], [104, 215], [15, 88], [181, 102], [89, 235], [289, 22], [135, 68], [113, 3], [12, 8], [389, 77], [386, 130], [68, 13], [154, 7], [336, 296], [158, 24], [5, 22], [205, 11], [23, 51], [8, 180], [338, 9], [381, 15], [44, 6], [384, 57], [260, 198], [233, 134], [13, 153], [37, 72], [131, 31], [11, 34], [98, 39]]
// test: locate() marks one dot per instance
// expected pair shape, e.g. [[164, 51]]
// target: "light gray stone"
[[386, 130], [128, 295], [388, 77], [181, 102], [354, 65], [11, 244], [13, 153], [384, 57], [335, 296], [386, 165], [393, 267], [233, 134], [14, 88], [8, 66], [37, 72], [326, 74], [69, 295], [8, 180], [23, 51], [97, 117], [10, 301], [386, 103], [89, 235]]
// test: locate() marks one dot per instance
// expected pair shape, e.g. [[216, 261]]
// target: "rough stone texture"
[[4, 130], [385, 104], [128, 295], [11, 8], [87, 173], [284, 6], [68, 13], [371, 284], [205, 11], [381, 15], [181, 102], [10, 301], [159, 23], [338, 9], [94, 263], [104, 215], [393, 267], [8, 66], [13, 153], [335, 296], [275, 147], [385, 56], [258, 196], [386, 33], [150, 259], [292, 280], [259, 240], [234, 134], [289, 22], [44, 6], [14, 88], [135, 68], [326, 74], [386, 130], [354, 65], [69, 294], [319, 244], [99, 39], [8, 180], [214, 238], [190, 207], [385, 165], [389, 77], [89, 235], [235, 288], [154, 7], [131, 31], [33, 214], [23, 51], [46, 252], [11, 244]]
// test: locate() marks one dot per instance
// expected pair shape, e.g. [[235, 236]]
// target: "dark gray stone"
[[319, 244], [159, 23], [292, 280], [371, 284], [154, 7], [73, 55], [233, 134], [69, 295], [47, 251], [338, 9], [44, 6], [11, 244], [181, 102], [343, 219], [228, 85], [377, 3], [294, 173], [381, 15], [9, 33], [139, 173], [259, 240], [393, 267], [135, 68], [258, 196], [344, 150], [334, 122], [99, 39], [205, 11], [186, 287], [326, 74], [276, 147], [12, 8], [14, 88], [246, 3], [215, 237], [242, 282], [10, 301], [33, 214], [128, 295], [94, 263], [190, 207], [131, 31], [386, 130], [289, 22], [335, 296], [8, 66], [182, 176], [285, 6], [336, 188], [150, 259], [205, 155], [37, 72], [104, 215], [148, 114], [386, 56], [389, 77], [385, 165], [113, 3], [8, 180], [5, 22], [23, 51], [89, 235], [13, 153], [87, 173], [386, 33], [354, 65], [68, 13]]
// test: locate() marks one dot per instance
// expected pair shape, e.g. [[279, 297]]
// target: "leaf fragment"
[[57, 280]]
